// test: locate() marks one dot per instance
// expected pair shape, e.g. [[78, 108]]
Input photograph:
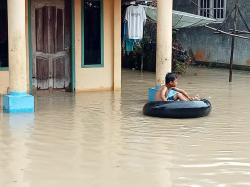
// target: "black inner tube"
[[177, 109]]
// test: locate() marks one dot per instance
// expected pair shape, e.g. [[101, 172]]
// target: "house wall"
[[4, 84], [4, 81], [4, 74], [209, 47], [185, 6], [96, 78]]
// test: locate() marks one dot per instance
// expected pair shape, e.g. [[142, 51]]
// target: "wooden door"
[[51, 43]]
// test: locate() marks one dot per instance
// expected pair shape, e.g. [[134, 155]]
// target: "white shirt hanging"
[[136, 17]]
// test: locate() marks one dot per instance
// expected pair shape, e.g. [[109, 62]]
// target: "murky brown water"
[[103, 140]]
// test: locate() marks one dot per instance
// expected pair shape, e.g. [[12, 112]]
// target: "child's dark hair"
[[170, 77]]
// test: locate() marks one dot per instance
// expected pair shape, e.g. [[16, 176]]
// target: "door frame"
[[72, 46]]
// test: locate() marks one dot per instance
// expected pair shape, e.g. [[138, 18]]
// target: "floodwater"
[[103, 140]]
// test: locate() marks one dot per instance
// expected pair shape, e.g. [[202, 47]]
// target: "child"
[[169, 92]]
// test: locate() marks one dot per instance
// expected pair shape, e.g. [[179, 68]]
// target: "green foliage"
[[179, 67], [146, 48], [180, 58]]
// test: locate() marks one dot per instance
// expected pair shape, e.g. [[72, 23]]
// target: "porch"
[[47, 47]]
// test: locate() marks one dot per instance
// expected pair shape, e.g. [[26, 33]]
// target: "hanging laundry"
[[136, 17], [129, 44]]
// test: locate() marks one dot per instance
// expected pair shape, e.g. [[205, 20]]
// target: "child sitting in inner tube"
[[169, 91]]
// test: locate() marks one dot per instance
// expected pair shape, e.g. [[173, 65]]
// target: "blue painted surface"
[[16, 102], [152, 92], [17, 93]]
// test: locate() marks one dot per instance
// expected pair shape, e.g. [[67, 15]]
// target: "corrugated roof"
[[181, 19]]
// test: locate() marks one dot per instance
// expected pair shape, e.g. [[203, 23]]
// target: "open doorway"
[[138, 53], [51, 44]]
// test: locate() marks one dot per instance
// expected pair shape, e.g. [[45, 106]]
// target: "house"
[[210, 48], [73, 45]]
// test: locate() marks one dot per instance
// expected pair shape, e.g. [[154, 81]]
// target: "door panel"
[[59, 31], [42, 70], [67, 24], [49, 29], [59, 72], [39, 29], [51, 41]]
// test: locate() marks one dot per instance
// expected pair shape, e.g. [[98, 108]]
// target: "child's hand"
[[197, 97]]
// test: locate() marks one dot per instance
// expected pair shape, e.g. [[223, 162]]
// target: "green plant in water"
[[180, 58]]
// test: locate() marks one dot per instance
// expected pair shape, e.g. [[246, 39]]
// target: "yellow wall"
[[99, 78], [4, 84], [4, 81]]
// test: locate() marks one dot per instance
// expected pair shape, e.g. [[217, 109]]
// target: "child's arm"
[[163, 93], [184, 93]]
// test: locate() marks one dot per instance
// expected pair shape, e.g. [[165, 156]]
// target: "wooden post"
[[232, 43]]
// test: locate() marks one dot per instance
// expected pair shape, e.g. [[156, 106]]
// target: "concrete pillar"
[[117, 44], [17, 99], [164, 43], [17, 45], [164, 39]]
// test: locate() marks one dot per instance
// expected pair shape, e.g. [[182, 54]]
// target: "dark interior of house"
[[92, 32], [3, 34]]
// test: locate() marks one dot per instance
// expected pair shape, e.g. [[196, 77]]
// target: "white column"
[[17, 46], [117, 44], [164, 39]]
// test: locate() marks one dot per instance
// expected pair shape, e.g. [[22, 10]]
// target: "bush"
[[180, 58]]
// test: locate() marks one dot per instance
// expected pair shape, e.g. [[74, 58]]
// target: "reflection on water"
[[102, 139]]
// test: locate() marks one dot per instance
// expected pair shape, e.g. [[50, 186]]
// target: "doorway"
[[51, 44]]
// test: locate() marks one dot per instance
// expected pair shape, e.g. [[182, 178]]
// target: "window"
[[92, 31], [212, 8], [3, 35]]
